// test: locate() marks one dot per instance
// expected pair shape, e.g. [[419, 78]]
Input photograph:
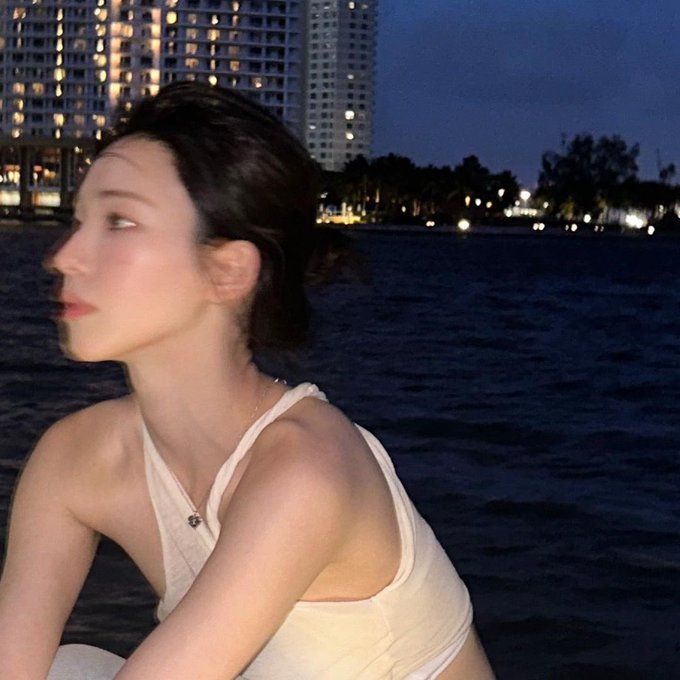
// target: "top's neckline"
[[232, 458]]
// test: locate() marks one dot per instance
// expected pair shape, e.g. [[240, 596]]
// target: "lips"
[[73, 306], [74, 310]]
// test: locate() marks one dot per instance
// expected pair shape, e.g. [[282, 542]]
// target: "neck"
[[197, 406]]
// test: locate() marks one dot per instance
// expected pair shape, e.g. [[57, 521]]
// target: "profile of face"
[[132, 255]]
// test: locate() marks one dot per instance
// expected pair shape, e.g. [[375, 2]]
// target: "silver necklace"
[[194, 519]]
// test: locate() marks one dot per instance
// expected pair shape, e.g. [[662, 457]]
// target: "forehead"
[[140, 165]]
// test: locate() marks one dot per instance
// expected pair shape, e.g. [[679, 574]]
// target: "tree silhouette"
[[587, 175]]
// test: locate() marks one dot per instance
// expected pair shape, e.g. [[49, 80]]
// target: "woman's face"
[[132, 255]]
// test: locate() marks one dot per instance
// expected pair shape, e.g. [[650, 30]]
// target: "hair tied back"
[[334, 253]]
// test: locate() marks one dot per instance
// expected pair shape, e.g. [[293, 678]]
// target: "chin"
[[81, 351]]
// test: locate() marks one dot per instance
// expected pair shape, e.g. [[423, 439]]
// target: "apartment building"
[[65, 65], [340, 79]]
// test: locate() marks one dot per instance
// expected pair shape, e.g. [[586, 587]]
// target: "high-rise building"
[[65, 65], [340, 79]]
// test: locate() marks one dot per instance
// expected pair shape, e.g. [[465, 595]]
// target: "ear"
[[232, 268]]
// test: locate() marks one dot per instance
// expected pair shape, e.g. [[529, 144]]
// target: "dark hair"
[[249, 178]]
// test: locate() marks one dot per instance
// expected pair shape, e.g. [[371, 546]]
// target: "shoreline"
[[51, 220]]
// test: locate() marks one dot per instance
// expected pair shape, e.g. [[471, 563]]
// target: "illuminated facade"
[[340, 75], [66, 64]]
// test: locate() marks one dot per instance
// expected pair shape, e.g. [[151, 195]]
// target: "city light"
[[634, 221], [525, 194], [463, 225]]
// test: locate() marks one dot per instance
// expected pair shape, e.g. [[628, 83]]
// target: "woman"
[[274, 530]]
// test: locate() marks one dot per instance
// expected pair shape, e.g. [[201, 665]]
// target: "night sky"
[[503, 79]]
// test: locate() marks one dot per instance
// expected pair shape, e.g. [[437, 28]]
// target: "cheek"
[[147, 282]]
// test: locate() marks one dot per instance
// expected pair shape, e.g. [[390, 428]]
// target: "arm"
[[287, 519], [48, 555]]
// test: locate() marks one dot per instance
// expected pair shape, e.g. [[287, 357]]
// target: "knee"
[[84, 662]]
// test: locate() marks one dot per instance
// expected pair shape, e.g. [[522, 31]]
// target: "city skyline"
[[504, 80]]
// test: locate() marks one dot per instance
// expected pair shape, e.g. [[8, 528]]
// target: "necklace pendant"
[[194, 520]]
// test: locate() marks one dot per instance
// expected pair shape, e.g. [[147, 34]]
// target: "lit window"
[[349, 115], [171, 17], [349, 135], [234, 65]]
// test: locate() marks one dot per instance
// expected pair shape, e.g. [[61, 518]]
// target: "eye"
[[115, 219]]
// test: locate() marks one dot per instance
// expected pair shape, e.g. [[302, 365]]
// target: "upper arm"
[[47, 557], [286, 521]]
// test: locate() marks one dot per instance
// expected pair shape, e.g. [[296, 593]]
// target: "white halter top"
[[411, 629]]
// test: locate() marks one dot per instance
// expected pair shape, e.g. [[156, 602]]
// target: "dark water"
[[527, 390]]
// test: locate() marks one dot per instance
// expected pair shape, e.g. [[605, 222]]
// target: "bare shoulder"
[[82, 449], [82, 434], [314, 430]]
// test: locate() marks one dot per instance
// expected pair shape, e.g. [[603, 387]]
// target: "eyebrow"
[[119, 193]]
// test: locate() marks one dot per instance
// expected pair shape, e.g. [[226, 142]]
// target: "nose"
[[66, 255]]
